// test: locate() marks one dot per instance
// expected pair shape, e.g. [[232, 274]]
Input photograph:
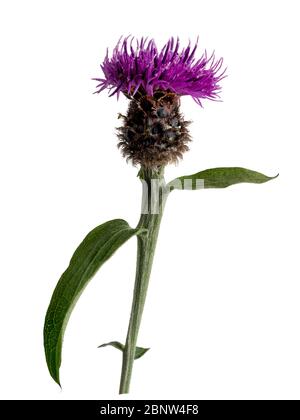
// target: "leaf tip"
[[269, 178], [55, 377]]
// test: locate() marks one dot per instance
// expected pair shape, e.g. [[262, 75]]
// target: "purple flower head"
[[138, 66]]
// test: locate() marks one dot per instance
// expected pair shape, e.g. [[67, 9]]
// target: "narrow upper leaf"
[[95, 249], [218, 178], [139, 351]]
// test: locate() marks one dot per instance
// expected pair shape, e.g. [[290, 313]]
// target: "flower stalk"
[[153, 201]]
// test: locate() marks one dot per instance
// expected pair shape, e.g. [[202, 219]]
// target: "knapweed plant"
[[153, 134]]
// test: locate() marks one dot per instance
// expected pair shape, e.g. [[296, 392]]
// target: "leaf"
[[97, 247], [139, 351], [218, 178]]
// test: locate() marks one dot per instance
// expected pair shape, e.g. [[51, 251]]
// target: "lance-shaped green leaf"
[[139, 351], [218, 178], [97, 247]]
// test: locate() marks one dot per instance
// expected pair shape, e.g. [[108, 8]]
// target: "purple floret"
[[143, 68]]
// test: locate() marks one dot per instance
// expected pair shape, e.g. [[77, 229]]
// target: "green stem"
[[153, 200]]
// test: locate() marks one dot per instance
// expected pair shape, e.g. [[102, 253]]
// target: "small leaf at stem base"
[[139, 351]]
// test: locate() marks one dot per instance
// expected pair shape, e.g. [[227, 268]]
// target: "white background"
[[222, 314]]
